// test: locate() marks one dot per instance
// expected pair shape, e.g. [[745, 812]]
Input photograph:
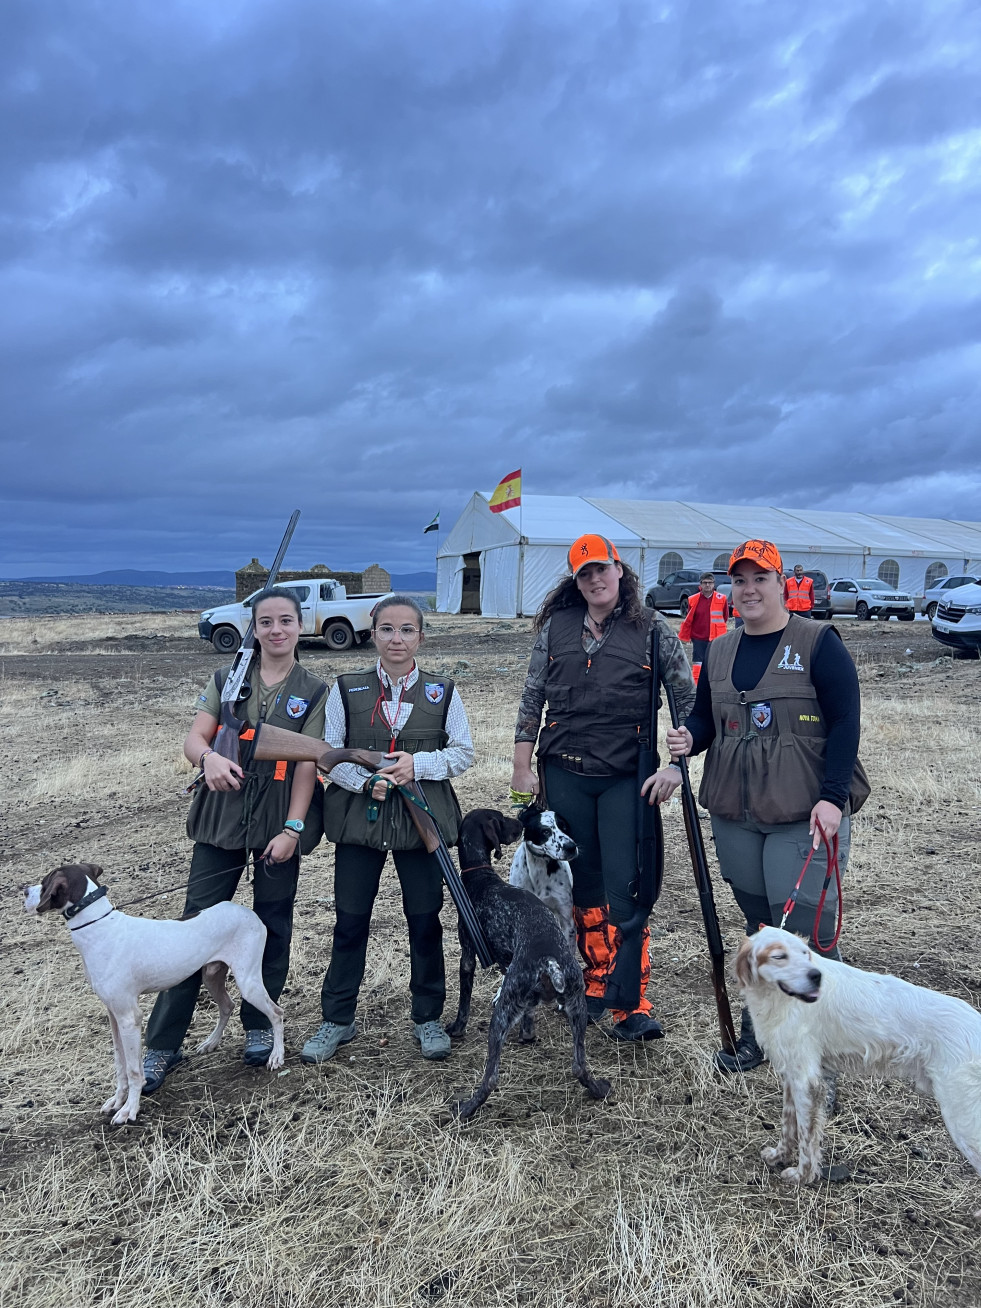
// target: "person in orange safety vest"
[[798, 592], [708, 613]]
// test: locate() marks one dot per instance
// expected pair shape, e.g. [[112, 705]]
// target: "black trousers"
[[215, 874], [699, 649], [602, 817], [357, 875]]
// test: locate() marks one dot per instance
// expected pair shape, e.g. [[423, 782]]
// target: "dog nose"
[[814, 976]]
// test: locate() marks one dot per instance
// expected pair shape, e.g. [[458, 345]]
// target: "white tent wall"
[[499, 581], [449, 583]]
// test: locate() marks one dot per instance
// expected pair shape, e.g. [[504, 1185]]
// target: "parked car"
[[327, 611], [674, 590], [934, 594], [822, 604], [868, 597], [958, 620]]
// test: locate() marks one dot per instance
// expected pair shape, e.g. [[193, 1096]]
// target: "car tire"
[[931, 610], [862, 612], [338, 635], [225, 640], [906, 617], [683, 606], [649, 600]]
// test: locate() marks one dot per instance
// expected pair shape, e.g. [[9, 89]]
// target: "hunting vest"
[[717, 622], [800, 594], [346, 812], [598, 708], [766, 763], [250, 817]]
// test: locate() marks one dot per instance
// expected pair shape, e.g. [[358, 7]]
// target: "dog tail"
[[552, 969]]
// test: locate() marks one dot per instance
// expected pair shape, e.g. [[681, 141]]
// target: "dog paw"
[[456, 1030], [123, 1116], [274, 1062], [208, 1046], [600, 1088], [773, 1156], [792, 1175]]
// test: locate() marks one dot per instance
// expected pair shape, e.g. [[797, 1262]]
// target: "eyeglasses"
[[389, 633]]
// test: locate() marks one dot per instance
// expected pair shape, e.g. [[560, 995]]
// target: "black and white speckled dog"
[[541, 865], [527, 945]]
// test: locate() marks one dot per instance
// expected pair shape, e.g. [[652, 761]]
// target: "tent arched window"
[[934, 573], [721, 563], [670, 562], [889, 572]]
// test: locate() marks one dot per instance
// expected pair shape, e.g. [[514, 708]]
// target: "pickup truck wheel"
[[862, 612], [931, 610], [226, 640], [338, 635], [683, 606]]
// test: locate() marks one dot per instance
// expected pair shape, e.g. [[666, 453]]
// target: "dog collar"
[[74, 909]]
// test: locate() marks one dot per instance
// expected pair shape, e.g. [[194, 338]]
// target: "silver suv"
[[937, 593], [868, 597]]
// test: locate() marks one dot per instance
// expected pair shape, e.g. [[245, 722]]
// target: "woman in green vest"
[[779, 713], [418, 719], [257, 809]]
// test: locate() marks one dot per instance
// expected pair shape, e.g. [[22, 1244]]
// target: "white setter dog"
[[812, 1014], [541, 865]]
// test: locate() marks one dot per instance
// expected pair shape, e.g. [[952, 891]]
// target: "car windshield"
[[872, 583]]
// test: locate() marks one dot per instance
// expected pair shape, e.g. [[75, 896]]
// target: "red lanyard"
[[382, 706]]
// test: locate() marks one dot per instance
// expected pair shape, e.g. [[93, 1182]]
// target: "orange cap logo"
[[761, 552], [591, 549]]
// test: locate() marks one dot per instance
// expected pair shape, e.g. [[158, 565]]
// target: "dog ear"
[[91, 870], [745, 967], [54, 892], [510, 830]]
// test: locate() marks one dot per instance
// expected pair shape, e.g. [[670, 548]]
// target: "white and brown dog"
[[813, 1014], [541, 865], [125, 957]]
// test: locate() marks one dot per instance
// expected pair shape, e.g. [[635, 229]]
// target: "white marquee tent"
[[510, 560]]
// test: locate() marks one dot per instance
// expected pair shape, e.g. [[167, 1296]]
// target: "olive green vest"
[[250, 817], [766, 763], [346, 812]]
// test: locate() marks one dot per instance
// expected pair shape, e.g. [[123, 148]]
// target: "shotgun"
[[278, 743], [706, 900]]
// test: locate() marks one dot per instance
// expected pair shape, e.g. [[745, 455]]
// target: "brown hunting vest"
[[766, 763], [346, 812], [250, 817], [598, 705]]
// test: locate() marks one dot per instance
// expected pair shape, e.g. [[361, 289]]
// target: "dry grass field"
[[348, 1185]]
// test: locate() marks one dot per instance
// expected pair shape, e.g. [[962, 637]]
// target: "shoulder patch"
[[435, 691], [296, 707]]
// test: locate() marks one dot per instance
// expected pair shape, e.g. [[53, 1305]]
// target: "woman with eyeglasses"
[[417, 718]]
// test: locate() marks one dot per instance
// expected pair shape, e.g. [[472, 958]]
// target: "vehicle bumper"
[[948, 633], [205, 629], [893, 610]]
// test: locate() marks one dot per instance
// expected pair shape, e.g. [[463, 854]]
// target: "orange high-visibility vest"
[[717, 622], [799, 595]]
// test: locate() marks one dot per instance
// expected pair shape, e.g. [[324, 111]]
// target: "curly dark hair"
[[566, 595]]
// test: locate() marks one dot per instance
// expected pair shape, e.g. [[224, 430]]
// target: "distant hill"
[[19, 599], [224, 580]]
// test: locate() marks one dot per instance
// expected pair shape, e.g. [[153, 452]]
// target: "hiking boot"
[[638, 1026], [258, 1047], [747, 1054], [433, 1040], [595, 1008], [326, 1042], [156, 1064]]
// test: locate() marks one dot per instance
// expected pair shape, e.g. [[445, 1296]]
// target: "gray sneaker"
[[326, 1042], [156, 1064], [258, 1047], [433, 1040]]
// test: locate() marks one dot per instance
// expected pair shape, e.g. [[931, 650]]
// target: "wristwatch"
[[294, 825]]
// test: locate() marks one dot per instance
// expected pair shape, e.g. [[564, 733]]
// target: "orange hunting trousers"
[[598, 940]]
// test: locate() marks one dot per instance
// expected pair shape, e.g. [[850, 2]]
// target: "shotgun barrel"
[[706, 899], [277, 743]]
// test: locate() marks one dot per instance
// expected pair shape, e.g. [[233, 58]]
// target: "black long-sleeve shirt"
[[836, 683]]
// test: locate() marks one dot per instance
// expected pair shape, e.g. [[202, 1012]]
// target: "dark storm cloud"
[[366, 258]]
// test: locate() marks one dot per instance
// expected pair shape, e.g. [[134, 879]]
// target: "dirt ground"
[[348, 1184]]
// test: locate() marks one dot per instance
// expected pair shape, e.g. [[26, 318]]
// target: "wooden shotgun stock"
[[278, 743], [706, 899]]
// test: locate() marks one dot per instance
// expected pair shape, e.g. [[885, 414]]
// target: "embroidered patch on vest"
[[785, 663], [434, 691], [761, 714], [296, 707]]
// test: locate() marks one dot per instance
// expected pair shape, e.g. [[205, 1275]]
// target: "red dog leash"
[[831, 847]]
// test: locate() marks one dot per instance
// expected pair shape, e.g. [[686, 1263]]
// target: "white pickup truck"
[[327, 612]]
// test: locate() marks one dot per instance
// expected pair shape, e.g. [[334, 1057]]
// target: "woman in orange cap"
[[592, 664], [778, 711]]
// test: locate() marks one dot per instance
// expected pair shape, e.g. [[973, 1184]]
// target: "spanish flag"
[[508, 493]]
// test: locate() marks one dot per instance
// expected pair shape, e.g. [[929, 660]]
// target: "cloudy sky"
[[366, 256]]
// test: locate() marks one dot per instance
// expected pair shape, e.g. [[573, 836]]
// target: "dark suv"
[[673, 591], [822, 600]]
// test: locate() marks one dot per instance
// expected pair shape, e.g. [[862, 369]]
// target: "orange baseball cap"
[[761, 552], [591, 549]]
